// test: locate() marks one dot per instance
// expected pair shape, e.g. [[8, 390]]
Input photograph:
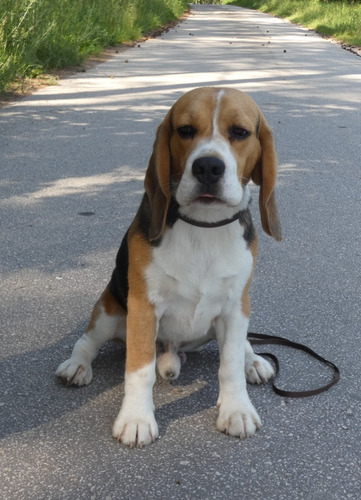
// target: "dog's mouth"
[[208, 199]]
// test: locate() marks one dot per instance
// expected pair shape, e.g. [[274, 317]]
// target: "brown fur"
[[257, 159], [141, 319]]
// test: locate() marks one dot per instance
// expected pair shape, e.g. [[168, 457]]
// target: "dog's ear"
[[157, 180], [264, 175]]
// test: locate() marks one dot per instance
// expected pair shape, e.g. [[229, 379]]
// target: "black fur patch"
[[172, 215], [118, 285], [249, 230], [143, 217], [258, 127]]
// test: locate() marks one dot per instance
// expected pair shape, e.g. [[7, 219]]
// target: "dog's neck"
[[237, 216]]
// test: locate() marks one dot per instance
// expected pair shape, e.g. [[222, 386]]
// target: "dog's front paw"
[[75, 372], [135, 430], [238, 418], [257, 369]]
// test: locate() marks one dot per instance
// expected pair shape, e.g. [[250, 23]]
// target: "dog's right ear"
[[157, 179]]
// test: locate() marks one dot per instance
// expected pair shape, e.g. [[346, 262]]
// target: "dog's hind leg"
[[257, 368], [106, 320]]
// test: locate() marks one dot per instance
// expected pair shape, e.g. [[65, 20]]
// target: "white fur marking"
[[77, 369], [194, 276], [237, 416], [216, 113], [135, 424]]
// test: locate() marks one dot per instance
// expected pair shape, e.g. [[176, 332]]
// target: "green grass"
[[340, 19], [37, 36], [40, 35]]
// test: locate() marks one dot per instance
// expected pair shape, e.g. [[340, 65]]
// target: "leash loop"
[[262, 339]]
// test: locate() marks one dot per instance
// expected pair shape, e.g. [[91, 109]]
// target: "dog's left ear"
[[264, 175], [157, 180]]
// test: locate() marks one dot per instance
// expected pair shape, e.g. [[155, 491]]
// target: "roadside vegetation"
[[38, 36], [41, 36], [340, 19]]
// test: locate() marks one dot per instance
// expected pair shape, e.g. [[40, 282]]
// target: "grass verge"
[[340, 19], [38, 36]]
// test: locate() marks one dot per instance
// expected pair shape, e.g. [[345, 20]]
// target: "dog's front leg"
[[135, 424], [237, 416]]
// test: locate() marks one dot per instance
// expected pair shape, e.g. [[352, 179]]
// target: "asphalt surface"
[[82, 148]]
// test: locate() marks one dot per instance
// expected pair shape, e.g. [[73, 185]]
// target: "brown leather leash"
[[262, 339]]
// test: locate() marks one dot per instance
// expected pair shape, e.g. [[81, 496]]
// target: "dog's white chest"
[[195, 276]]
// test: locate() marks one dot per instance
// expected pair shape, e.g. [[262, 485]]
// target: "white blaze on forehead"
[[217, 111]]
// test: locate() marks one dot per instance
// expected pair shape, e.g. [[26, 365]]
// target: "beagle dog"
[[184, 267]]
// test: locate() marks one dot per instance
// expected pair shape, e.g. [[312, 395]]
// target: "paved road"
[[82, 147]]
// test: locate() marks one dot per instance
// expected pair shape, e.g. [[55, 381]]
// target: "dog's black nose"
[[208, 169]]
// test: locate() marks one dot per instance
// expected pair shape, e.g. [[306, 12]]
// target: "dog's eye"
[[186, 132], [238, 133]]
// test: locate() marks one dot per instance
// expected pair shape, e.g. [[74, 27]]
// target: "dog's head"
[[210, 144]]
